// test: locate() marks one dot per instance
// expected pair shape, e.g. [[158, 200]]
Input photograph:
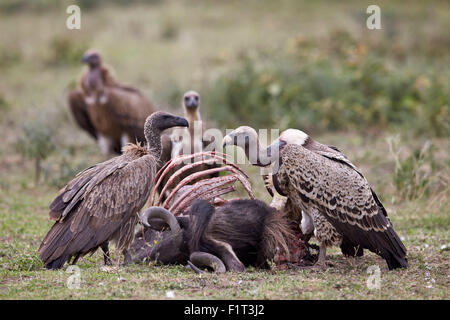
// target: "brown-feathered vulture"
[[102, 202], [336, 200], [110, 112]]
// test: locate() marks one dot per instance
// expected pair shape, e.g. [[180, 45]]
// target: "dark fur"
[[241, 233]]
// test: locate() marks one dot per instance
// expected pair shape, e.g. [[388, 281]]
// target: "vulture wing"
[[346, 200], [101, 203], [79, 111], [129, 109], [335, 154]]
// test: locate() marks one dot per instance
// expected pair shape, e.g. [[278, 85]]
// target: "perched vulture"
[[102, 202], [337, 202], [111, 113]]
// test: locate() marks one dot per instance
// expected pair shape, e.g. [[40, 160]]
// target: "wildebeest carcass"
[[194, 225]]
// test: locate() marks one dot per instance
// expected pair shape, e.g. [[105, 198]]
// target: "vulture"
[[188, 140], [337, 202], [191, 107], [102, 203], [111, 113]]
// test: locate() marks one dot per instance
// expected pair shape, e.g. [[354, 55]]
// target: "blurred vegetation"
[[416, 175], [342, 85], [37, 142], [12, 6], [64, 50]]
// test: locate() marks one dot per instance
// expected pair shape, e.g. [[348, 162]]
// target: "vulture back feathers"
[[100, 204]]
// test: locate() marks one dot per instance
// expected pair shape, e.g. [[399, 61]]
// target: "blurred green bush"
[[339, 86]]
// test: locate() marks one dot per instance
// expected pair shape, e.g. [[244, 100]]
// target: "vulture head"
[[243, 137], [159, 121], [247, 138], [191, 101], [92, 58]]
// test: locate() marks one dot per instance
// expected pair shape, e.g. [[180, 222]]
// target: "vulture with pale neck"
[[187, 140], [111, 113], [102, 203], [337, 202]]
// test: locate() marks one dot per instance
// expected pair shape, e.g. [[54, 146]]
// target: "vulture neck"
[[153, 137], [192, 116], [254, 150]]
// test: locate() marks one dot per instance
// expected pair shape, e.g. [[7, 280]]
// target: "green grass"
[[166, 48]]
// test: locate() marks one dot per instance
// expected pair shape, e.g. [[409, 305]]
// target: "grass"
[[167, 48]]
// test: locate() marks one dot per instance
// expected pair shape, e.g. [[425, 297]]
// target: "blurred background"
[[381, 96]]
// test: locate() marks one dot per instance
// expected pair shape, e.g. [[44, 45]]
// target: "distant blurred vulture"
[[188, 140], [111, 113], [102, 202]]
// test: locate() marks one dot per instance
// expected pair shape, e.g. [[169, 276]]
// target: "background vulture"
[[187, 140], [111, 113], [102, 202], [336, 200]]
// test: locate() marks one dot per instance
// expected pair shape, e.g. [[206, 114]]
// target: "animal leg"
[[105, 144], [226, 253], [127, 257], [321, 261], [124, 139], [75, 259], [106, 257]]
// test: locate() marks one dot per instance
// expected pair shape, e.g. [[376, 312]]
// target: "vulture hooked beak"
[[228, 140], [179, 122], [234, 139]]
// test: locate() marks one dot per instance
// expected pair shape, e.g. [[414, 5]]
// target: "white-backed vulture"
[[111, 113], [336, 200], [187, 140], [191, 108], [102, 202]]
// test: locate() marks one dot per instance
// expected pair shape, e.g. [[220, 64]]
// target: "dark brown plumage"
[[111, 113], [102, 202]]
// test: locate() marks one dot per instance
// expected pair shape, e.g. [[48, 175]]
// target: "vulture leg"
[[75, 259], [106, 257], [108, 146], [322, 256]]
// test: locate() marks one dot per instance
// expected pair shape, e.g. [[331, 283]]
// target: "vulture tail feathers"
[[395, 254], [57, 263], [53, 248]]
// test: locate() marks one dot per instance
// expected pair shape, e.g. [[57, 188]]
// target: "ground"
[[37, 71]]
